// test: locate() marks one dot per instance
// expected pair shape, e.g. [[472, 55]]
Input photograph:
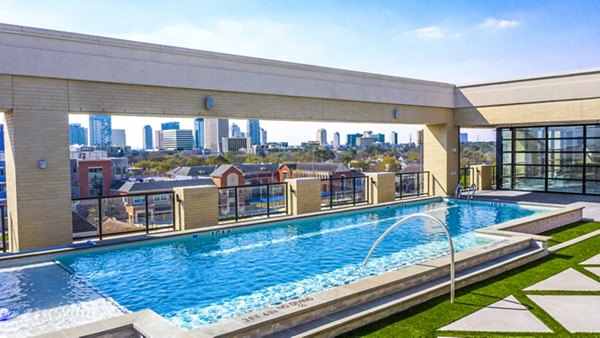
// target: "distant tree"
[[389, 164]]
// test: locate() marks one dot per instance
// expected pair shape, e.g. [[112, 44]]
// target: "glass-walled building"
[[553, 159]]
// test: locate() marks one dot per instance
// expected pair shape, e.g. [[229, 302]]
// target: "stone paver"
[[592, 261], [568, 280], [575, 313], [595, 271], [507, 315]]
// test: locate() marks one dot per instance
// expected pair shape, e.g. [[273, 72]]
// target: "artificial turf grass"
[[425, 319], [571, 231]]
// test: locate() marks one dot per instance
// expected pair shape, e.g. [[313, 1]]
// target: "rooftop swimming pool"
[[200, 279]]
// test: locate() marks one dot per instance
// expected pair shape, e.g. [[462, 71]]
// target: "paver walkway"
[[507, 315], [568, 280], [575, 313], [595, 271], [592, 261]]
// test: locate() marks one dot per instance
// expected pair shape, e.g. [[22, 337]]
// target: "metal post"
[[173, 207], [268, 203], [286, 198], [437, 221], [354, 190], [100, 218], [401, 187], [3, 227], [418, 184], [236, 203], [330, 192], [147, 216]]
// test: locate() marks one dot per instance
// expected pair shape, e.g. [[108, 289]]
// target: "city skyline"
[[406, 133]]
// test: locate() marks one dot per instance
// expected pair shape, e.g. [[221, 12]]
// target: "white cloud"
[[431, 32], [493, 25]]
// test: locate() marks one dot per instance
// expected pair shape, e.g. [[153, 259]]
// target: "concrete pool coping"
[[267, 320]]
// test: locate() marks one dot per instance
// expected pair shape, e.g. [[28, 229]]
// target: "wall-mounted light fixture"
[[209, 103], [397, 113], [42, 164]]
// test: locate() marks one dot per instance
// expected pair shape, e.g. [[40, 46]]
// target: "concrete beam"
[[36, 52]]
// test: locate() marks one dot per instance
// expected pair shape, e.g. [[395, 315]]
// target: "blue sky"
[[458, 42]]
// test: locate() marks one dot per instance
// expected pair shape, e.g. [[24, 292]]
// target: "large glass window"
[[553, 158]]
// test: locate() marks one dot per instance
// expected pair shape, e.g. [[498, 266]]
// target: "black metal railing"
[[344, 191], [466, 176], [415, 184], [97, 217], [3, 229], [255, 200]]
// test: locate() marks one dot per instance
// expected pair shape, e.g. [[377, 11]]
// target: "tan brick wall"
[[383, 187], [304, 195], [483, 176], [124, 99], [545, 113], [440, 157], [198, 207], [5, 92], [39, 200]]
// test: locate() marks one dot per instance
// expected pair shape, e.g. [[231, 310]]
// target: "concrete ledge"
[[146, 323], [292, 313]]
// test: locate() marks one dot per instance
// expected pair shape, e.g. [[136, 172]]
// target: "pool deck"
[[591, 203]]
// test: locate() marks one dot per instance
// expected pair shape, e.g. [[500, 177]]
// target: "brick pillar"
[[39, 200], [382, 188], [483, 176], [304, 195], [196, 207], [441, 157]]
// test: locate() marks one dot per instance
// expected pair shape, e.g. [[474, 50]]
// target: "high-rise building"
[[394, 138], [236, 143], [419, 137], [351, 139], [236, 131], [178, 139], [100, 131], [77, 134], [118, 137], [336, 140], [263, 136], [378, 138], [199, 133], [147, 138], [322, 136], [254, 131], [464, 137], [158, 139], [173, 125], [214, 131]]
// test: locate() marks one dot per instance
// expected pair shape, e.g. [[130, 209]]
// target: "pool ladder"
[[470, 190], [426, 217]]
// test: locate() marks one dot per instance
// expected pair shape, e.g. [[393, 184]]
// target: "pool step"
[[355, 317], [424, 281]]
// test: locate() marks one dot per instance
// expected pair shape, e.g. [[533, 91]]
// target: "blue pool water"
[[195, 281]]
